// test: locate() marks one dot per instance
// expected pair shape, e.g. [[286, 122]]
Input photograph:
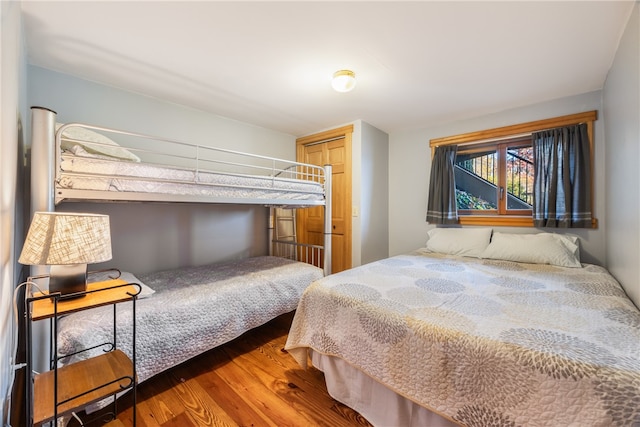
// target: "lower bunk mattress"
[[184, 312]]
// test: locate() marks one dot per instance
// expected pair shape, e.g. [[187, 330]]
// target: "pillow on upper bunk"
[[145, 291], [469, 242], [80, 144], [541, 248]]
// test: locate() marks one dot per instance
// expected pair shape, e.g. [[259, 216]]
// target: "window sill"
[[504, 221]]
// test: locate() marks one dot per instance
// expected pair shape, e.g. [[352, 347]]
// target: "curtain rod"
[[497, 139], [487, 135], [507, 137]]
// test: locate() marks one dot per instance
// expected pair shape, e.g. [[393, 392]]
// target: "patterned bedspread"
[[192, 310], [483, 342]]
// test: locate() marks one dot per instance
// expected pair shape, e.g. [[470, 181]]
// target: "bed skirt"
[[380, 405]]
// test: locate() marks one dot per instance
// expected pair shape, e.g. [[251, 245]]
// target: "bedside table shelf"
[[97, 294], [106, 375], [70, 388]]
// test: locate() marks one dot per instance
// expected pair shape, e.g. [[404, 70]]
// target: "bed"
[[437, 338], [75, 162], [182, 312], [88, 162]]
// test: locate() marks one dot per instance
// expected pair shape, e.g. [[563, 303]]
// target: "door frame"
[[346, 133]]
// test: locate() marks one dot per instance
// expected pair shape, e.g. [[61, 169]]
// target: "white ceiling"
[[269, 63]]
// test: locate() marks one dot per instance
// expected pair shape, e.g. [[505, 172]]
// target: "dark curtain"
[[562, 184], [441, 207]]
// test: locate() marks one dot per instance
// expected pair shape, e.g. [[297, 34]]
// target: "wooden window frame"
[[509, 132], [500, 147]]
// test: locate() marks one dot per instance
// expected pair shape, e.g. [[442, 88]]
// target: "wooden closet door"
[[337, 153]]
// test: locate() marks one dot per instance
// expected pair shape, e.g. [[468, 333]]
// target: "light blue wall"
[[622, 132], [374, 194], [369, 194], [155, 236], [80, 100], [12, 118], [410, 162]]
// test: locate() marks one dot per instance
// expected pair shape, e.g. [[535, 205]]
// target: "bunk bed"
[[512, 331], [186, 311], [79, 162], [82, 162]]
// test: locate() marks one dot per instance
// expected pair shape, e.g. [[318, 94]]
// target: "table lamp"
[[67, 241]]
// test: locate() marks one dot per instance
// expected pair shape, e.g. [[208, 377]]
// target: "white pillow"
[[145, 291], [542, 248], [570, 241], [469, 242], [84, 137]]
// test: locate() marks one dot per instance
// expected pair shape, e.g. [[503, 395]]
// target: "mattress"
[[101, 174], [482, 342], [191, 310]]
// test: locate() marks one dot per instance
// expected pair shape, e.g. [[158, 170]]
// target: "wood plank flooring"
[[250, 381]]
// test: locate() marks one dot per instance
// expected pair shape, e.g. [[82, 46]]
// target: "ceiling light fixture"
[[343, 80]]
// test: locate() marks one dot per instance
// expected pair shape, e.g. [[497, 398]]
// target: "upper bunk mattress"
[[105, 175]]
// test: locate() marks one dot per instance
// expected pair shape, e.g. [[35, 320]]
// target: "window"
[[495, 179], [494, 171]]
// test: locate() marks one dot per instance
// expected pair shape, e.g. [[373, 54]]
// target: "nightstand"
[[70, 388]]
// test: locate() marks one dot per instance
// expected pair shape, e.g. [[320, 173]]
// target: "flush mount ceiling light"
[[343, 80]]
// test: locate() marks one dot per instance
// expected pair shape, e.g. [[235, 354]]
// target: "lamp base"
[[68, 279]]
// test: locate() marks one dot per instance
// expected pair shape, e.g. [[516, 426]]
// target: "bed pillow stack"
[[541, 248]]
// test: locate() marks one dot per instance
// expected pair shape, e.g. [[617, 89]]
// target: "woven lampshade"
[[60, 238]]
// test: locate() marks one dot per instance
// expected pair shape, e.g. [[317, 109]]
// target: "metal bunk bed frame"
[[46, 154]]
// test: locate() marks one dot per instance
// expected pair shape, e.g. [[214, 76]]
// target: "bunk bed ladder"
[[284, 229], [283, 238]]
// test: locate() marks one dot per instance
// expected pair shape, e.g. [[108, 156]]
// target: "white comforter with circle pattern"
[[483, 342]]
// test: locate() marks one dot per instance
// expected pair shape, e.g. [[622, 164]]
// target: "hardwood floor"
[[250, 381]]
